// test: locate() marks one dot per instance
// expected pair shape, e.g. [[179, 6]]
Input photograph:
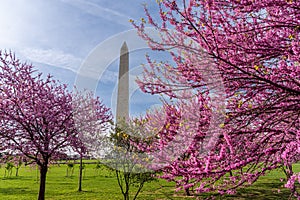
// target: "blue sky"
[[57, 36]]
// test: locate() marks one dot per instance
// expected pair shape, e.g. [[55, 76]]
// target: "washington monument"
[[122, 112]]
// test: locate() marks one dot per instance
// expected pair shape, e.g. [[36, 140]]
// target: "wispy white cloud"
[[109, 77], [52, 57], [99, 11]]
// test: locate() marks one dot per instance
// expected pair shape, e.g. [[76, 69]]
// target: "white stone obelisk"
[[122, 112]]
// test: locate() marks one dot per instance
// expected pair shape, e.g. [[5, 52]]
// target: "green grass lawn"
[[102, 184]]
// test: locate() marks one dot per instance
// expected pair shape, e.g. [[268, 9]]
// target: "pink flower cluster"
[[253, 46]]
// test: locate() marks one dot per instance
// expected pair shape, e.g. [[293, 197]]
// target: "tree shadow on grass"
[[15, 191], [16, 178], [258, 191], [262, 191]]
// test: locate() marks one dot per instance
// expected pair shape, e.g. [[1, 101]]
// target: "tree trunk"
[[187, 192], [17, 171], [80, 175], [126, 196], [127, 185], [43, 173], [138, 191]]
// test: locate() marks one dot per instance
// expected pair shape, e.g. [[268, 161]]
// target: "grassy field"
[[102, 184]]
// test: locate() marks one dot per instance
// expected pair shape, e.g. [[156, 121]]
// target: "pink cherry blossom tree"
[[91, 117], [40, 118], [254, 48]]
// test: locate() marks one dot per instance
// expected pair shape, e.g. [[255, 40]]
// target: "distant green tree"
[[18, 164], [70, 169], [97, 168], [8, 169]]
